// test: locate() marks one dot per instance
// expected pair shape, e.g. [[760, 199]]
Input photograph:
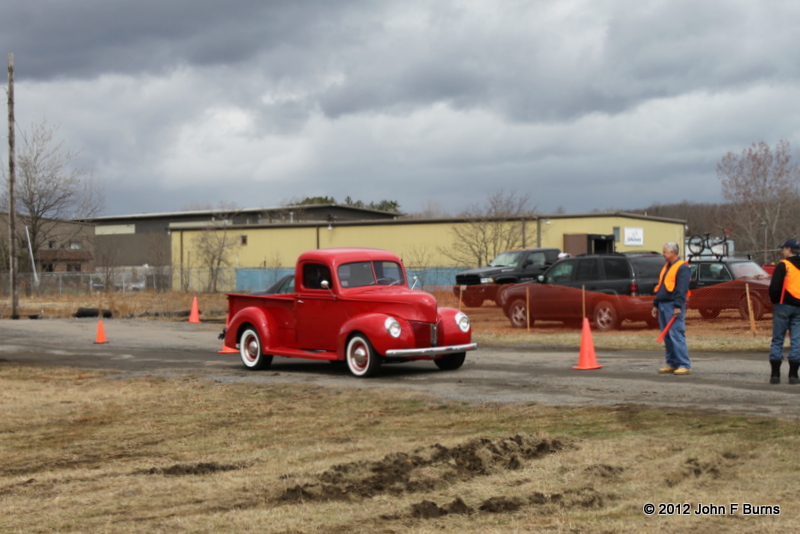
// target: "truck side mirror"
[[325, 284], [540, 278]]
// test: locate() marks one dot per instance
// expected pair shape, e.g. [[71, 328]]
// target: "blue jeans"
[[785, 317], [675, 340]]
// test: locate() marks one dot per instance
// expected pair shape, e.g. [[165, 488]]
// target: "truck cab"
[[509, 267]]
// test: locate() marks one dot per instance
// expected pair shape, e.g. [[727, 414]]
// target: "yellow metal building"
[[421, 243]]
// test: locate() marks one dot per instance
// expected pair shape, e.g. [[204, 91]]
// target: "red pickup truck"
[[352, 305]]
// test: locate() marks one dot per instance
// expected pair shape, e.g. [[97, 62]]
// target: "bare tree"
[[700, 218], [762, 186], [216, 244], [158, 254], [490, 228], [107, 254], [50, 189], [430, 209]]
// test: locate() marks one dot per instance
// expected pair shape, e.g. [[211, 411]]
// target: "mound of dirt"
[[423, 469], [191, 469]]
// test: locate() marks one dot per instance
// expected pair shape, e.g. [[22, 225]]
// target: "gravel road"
[[731, 382]]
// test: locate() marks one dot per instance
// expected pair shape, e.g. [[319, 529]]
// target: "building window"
[[75, 245], [244, 240], [51, 244], [48, 267], [73, 267]]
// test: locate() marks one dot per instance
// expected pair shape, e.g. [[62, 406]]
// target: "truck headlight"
[[392, 326], [487, 280], [462, 321]]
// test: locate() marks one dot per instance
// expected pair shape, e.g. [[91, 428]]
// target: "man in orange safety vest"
[[670, 304], [784, 292]]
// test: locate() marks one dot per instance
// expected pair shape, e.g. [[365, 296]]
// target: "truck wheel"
[[518, 314], [472, 301], [361, 358], [250, 351], [451, 362], [758, 308], [606, 317]]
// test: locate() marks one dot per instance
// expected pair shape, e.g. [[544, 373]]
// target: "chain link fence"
[[228, 279]]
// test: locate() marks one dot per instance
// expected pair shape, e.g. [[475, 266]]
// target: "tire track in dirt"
[[424, 469]]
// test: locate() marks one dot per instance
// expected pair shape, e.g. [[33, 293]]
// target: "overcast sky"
[[582, 104]]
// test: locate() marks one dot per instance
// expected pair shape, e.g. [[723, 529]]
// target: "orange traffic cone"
[[101, 333], [225, 348], [194, 315], [587, 358]]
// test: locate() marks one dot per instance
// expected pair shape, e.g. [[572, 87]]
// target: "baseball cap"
[[793, 244]]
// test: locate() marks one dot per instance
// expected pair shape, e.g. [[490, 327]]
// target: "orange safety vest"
[[791, 282], [671, 277]]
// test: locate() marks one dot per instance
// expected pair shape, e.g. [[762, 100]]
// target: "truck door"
[[558, 297], [318, 315], [532, 266]]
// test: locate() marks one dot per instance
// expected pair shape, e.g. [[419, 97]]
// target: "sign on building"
[[634, 237]]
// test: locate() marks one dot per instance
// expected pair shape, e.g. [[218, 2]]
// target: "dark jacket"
[[776, 284], [678, 295]]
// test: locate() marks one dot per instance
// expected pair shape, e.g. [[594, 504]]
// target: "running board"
[[300, 353]]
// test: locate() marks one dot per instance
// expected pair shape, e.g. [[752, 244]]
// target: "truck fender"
[[449, 332], [256, 317], [373, 325]]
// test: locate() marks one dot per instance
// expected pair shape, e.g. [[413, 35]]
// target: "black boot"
[[775, 377], [793, 366]]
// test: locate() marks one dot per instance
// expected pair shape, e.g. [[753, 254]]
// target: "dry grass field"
[[90, 452], [84, 452]]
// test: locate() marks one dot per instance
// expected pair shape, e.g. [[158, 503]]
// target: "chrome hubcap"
[[518, 314], [252, 348], [359, 356]]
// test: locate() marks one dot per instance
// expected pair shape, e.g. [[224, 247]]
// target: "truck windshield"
[[747, 269], [370, 273], [506, 259]]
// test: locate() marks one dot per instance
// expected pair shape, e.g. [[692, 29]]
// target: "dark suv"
[[510, 267], [617, 289]]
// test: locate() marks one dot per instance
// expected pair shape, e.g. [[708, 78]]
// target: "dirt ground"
[[490, 319]]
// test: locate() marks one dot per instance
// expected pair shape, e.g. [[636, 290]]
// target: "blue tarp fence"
[[249, 280]]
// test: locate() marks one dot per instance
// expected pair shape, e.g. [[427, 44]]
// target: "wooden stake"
[[528, 308], [583, 302], [750, 309]]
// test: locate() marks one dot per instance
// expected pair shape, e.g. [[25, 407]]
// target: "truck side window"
[[616, 269], [711, 271], [560, 273], [536, 258], [587, 270], [314, 274]]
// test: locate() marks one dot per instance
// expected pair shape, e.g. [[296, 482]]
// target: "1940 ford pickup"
[[352, 305]]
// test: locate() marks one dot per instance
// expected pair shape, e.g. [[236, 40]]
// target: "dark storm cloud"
[[582, 103], [87, 38]]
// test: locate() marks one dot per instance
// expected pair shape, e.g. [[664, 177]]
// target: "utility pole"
[[12, 210]]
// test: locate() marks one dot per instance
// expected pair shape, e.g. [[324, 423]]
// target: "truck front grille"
[[467, 279], [425, 334]]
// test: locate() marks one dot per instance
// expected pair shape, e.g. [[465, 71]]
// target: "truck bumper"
[[431, 352], [487, 291]]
